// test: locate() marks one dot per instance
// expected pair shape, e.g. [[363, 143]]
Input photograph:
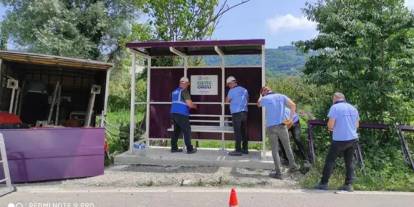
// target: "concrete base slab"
[[203, 157]]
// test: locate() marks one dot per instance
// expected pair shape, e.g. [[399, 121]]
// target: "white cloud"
[[289, 22], [409, 4]]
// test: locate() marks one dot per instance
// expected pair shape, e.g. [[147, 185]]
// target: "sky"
[[279, 22]]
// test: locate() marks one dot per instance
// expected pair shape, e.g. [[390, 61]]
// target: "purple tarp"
[[54, 153]]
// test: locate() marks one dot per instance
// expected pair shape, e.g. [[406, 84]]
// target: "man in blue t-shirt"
[[238, 98], [180, 111], [275, 105], [343, 122]]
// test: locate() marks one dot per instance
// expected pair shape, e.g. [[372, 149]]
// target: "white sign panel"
[[204, 85]]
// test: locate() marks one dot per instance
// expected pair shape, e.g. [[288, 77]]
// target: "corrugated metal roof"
[[51, 60], [199, 47]]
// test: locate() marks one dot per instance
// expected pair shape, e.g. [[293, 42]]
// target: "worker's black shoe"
[[294, 168], [235, 153], [347, 187], [276, 175], [284, 161], [176, 150], [321, 186], [192, 151], [246, 152]]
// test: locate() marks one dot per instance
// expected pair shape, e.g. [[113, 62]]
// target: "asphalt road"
[[182, 196]]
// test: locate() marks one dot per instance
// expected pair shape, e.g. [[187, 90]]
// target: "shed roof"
[[199, 47], [51, 60]]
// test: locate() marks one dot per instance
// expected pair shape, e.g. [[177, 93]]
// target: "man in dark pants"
[[343, 122], [180, 112], [294, 131], [238, 98]]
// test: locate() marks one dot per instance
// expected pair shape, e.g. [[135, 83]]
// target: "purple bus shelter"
[[212, 119]]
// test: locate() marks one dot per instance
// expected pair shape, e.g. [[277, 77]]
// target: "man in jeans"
[[343, 122], [238, 98], [180, 112], [275, 105]]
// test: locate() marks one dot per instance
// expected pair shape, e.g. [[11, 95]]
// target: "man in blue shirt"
[[238, 98], [343, 122], [180, 112], [275, 105]]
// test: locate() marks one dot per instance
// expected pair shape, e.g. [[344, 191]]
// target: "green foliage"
[[117, 131], [309, 97], [182, 19], [366, 51], [286, 60], [83, 29], [120, 78]]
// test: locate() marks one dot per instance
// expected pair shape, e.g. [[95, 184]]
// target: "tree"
[[186, 19], [366, 50], [84, 29]]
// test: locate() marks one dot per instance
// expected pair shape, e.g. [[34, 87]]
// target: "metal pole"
[[1, 75], [105, 109], [147, 120], [185, 66], [12, 101], [58, 106], [223, 85], [49, 119], [310, 144], [132, 106], [16, 103], [5, 163], [263, 109], [182, 55], [90, 110]]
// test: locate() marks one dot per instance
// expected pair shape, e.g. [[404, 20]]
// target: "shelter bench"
[[209, 123]]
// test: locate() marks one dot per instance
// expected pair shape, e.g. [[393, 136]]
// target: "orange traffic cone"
[[233, 202]]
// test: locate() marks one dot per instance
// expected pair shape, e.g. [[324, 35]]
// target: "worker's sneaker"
[[347, 187], [192, 151], [235, 153], [176, 150], [245, 152], [276, 175], [321, 186]]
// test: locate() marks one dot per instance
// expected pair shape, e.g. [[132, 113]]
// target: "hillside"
[[282, 60]]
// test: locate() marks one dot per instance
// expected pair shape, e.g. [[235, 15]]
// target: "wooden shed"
[[58, 100]]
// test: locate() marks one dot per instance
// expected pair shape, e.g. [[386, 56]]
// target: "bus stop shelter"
[[212, 119]]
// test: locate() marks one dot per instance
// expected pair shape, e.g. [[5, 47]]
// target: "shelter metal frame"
[[148, 58]]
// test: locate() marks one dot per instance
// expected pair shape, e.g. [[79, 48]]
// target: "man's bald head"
[[338, 96]]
